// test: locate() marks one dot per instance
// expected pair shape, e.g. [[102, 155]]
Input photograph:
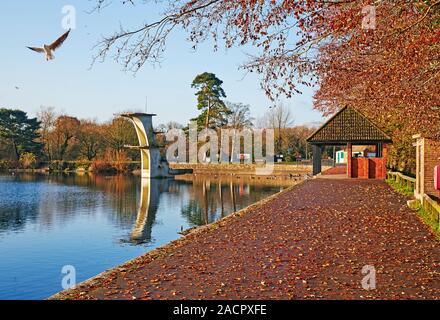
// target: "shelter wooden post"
[[317, 156], [349, 159]]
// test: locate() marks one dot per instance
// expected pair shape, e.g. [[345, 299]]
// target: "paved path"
[[309, 243]]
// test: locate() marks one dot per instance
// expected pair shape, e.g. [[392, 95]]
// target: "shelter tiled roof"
[[348, 125]]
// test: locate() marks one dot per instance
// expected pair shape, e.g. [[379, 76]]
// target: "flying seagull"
[[49, 49]]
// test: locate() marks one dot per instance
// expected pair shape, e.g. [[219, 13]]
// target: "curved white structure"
[[151, 165]]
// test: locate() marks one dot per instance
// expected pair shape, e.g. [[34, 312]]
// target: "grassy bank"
[[405, 190], [422, 213]]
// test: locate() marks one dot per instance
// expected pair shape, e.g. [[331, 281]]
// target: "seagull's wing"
[[59, 41], [40, 50]]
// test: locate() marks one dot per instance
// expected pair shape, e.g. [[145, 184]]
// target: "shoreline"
[[169, 248], [198, 167]]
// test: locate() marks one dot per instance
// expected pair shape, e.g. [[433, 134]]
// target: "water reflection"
[[211, 198], [130, 202], [207, 202], [96, 222], [147, 210]]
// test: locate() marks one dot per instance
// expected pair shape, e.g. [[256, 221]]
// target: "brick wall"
[[377, 168], [431, 159], [369, 168], [360, 168]]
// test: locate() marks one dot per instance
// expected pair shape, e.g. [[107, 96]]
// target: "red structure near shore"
[[348, 127]]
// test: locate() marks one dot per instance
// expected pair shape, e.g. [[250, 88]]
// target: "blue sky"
[[69, 85]]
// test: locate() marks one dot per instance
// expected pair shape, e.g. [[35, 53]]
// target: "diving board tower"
[[151, 164]]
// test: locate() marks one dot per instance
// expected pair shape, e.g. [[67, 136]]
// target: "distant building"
[[341, 157], [279, 158]]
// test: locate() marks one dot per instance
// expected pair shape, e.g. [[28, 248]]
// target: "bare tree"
[[277, 118], [134, 47], [240, 115], [164, 127], [239, 118]]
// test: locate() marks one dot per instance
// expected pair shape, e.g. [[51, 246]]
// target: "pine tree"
[[20, 131], [209, 97]]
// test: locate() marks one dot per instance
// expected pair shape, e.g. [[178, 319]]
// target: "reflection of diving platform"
[[149, 201], [151, 164]]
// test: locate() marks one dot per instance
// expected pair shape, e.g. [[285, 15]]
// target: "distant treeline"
[[58, 140], [61, 142]]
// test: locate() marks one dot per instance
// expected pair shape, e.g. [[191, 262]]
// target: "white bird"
[[49, 49]]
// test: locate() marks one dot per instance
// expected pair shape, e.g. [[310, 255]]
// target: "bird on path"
[[49, 49]]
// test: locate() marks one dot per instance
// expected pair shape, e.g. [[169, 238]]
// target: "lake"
[[94, 223]]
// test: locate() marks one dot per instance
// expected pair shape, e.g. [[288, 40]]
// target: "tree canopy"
[[381, 57]]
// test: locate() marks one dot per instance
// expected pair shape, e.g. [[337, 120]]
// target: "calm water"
[[95, 223]]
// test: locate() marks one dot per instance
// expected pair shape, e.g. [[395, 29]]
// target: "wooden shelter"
[[350, 127]]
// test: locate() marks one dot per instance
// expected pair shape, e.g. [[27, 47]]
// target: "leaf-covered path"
[[310, 242]]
